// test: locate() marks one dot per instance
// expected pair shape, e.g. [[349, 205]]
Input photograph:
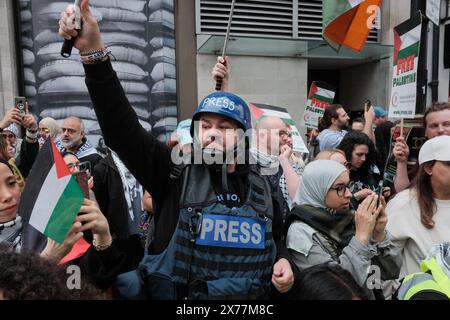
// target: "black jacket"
[[108, 190], [26, 157], [147, 159]]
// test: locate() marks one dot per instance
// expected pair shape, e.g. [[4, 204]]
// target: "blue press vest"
[[216, 252]]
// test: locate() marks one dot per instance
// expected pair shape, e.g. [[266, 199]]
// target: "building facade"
[[275, 49]]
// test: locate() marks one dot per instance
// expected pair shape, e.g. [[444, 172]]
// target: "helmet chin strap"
[[222, 167]]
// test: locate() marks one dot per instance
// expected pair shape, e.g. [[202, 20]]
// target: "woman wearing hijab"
[[322, 229], [48, 128]]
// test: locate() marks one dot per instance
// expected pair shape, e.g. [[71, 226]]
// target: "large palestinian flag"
[[348, 22], [260, 110], [405, 71], [51, 198]]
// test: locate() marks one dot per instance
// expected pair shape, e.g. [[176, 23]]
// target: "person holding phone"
[[323, 228], [19, 153], [85, 180], [364, 174]]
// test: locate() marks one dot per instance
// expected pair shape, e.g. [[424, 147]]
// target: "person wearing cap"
[[213, 236], [419, 217], [382, 133], [433, 282]]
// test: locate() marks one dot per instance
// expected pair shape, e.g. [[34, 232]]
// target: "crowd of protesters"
[[252, 224]]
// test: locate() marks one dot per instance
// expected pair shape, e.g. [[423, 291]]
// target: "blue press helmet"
[[225, 104]]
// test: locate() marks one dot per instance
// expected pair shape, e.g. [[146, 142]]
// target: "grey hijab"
[[317, 178]]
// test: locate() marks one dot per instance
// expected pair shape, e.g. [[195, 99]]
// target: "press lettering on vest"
[[220, 229], [245, 232], [207, 226], [231, 231], [256, 231]]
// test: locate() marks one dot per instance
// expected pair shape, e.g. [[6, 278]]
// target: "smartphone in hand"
[[82, 179], [380, 192], [21, 104]]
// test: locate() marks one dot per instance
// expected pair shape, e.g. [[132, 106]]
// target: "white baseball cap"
[[437, 148]]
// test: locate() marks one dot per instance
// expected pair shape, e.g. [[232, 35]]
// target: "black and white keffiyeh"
[[11, 234]]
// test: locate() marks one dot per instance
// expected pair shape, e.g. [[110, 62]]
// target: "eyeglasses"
[[81, 166], [45, 130], [285, 133], [73, 165], [341, 189], [8, 135]]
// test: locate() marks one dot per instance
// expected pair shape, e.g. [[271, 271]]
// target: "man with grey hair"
[[72, 139]]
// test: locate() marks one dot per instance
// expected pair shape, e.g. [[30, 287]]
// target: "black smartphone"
[[21, 104], [368, 103], [82, 179], [380, 192]]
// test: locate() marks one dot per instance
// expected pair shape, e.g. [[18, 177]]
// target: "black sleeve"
[[278, 231], [25, 160], [102, 267], [100, 188], [147, 159], [279, 236]]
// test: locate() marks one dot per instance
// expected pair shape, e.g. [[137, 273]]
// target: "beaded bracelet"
[[94, 56], [99, 247], [32, 135]]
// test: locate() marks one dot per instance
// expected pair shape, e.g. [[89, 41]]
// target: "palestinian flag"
[[405, 85], [322, 92], [260, 110], [345, 22], [320, 96], [51, 198]]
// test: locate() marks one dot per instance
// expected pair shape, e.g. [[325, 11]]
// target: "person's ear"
[[428, 168]]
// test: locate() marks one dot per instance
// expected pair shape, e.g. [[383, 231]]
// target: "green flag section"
[[348, 22], [52, 197], [406, 60], [260, 110], [320, 96]]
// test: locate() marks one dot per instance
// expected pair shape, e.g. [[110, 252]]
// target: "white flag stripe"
[[325, 93], [48, 197], [411, 37], [274, 113], [354, 3]]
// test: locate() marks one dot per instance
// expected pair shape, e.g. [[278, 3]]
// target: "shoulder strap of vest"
[[259, 193], [177, 171], [196, 190]]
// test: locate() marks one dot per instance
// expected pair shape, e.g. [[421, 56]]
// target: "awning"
[[252, 46]]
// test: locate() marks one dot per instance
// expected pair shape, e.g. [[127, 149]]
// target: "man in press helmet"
[[214, 218]]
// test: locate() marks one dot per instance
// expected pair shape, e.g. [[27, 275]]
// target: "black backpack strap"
[[177, 171]]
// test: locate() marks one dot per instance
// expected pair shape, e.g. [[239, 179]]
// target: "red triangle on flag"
[[397, 45], [61, 167], [257, 112], [313, 90]]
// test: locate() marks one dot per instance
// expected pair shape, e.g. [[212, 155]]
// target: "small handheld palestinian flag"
[[348, 22], [51, 198]]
